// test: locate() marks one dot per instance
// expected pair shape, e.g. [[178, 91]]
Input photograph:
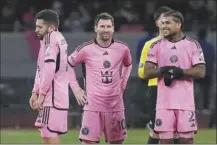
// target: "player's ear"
[[95, 27], [113, 28], [51, 28], [156, 23], [179, 25]]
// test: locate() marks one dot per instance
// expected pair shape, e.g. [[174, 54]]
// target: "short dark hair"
[[177, 17], [49, 16], [160, 11], [103, 16]]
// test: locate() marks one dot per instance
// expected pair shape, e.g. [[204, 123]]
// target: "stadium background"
[[133, 21]]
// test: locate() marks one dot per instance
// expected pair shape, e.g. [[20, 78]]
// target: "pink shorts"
[[112, 124], [172, 121], [52, 122]]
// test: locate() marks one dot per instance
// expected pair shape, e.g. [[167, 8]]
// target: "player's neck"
[[176, 37], [161, 34], [103, 44]]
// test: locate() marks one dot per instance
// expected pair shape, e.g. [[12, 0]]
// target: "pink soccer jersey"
[[51, 77], [184, 54], [107, 72]]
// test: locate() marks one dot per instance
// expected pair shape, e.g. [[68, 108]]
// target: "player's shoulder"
[[119, 42], [187, 38], [121, 45], [52, 37], [54, 34], [192, 41], [155, 41], [85, 45], [149, 42]]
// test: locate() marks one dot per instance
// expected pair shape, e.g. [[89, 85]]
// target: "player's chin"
[[166, 35], [105, 38], [39, 37]]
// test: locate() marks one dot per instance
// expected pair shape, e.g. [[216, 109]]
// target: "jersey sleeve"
[[127, 67], [152, 53], [51, 52], [36, 83], [127, 61], [77, 57], [143, 60], [197, 55]]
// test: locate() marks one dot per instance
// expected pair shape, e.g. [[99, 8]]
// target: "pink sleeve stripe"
[[84, 44], [154, 43], [118, 41], [194, 41]]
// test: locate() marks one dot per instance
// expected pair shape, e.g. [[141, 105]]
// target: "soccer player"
[[50, 92], [152, 83], [108, 66], [175, 59]]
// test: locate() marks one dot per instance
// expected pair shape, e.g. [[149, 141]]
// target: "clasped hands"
[[170, 73]]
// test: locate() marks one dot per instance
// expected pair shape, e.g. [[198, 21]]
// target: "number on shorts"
[[191, 119], [121, 124]]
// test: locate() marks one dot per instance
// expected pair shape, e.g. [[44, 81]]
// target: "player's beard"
[[105, 36], [41, 36], [169, 34]]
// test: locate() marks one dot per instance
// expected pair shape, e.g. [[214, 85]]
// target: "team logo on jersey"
[[173, 47], [85, 131], [106, 53], [158, 122], [106, 64], [173, 58], [201, 56], [62, 42], [106, 77]]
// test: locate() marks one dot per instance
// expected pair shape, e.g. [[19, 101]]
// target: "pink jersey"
[[184, 54], [107, 73], [51, 76]]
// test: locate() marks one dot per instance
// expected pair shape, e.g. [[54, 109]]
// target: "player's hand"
[[81, 97], [39, 102], [165, 70], [32, 100], [176, 72], [168, 79]]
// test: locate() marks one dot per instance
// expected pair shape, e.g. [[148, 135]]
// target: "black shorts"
[[152, 109]]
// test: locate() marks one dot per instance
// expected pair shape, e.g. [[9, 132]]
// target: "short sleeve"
[[197, 54], [152, 53], [77, 57], [127, 61]]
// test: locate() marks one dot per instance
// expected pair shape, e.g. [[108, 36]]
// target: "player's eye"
[[39, 27]]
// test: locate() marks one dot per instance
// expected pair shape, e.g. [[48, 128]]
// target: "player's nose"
[[36, 30]]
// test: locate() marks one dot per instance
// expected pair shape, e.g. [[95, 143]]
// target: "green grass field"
[[135, 136]]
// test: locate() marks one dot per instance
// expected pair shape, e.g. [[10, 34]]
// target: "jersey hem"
[[103, 110]]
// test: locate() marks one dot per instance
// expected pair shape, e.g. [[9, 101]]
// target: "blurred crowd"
[[130, 15]]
